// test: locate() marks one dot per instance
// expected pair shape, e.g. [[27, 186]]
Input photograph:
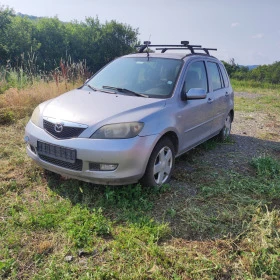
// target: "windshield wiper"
[[97, 89], [93, 88], [125, 90]]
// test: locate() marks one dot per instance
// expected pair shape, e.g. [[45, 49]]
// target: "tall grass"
[[52, 228], [19, 103], [24, 87], [265, 97], [254, 86], [27, 72], [211, 223]]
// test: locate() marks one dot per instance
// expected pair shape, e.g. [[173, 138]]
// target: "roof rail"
[[184, 46]]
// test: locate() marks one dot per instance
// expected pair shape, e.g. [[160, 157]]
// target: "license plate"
[[56, 152]]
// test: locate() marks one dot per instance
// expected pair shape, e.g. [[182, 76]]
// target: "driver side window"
[[196, 77]]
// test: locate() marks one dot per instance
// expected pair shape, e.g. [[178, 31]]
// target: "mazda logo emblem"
[[58, 127]]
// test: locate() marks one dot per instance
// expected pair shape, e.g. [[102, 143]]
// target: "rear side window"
[[196, 77], [225, 76], [215, 76]]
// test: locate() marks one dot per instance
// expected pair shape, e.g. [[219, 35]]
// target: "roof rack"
[[184, 46]]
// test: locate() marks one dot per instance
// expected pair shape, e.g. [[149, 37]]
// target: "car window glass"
[[196, 77], [224, 75], [155, 77], [215, 78]]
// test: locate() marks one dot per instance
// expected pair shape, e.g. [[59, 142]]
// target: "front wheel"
[[160, 165], [225, 132]]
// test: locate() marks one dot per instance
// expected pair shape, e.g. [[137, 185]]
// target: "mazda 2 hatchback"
[[131, 120]]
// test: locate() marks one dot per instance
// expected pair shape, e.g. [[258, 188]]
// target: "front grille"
[[66, 133], [77, 165]]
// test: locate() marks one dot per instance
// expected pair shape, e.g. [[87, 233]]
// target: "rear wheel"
[[225, 132], [160, 165]]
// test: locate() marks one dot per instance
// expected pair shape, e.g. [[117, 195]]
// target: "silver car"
[[131, 120]]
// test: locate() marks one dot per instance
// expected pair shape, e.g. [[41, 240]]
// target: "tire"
[[225, 132], [160, 165]]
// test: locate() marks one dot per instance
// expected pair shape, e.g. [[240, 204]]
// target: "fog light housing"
[[108, 167], [94, 166], [32, 148]]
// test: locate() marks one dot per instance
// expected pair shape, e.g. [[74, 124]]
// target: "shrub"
[[7, 116]]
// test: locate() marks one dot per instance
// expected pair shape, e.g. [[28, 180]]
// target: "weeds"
[[266, 167], [17, 104], [7, 116], [27, 73], [224, 231], [18, 101], [82, 226], [260, 97], [254, 86], [52, 228]]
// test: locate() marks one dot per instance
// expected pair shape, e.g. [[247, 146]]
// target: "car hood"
[[89, 107]]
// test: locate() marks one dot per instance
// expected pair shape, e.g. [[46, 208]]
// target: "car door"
[[220, 94], [195, 115]]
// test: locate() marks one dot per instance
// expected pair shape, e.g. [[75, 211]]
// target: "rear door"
[[219, 93]]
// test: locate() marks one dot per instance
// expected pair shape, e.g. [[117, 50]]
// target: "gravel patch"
[[253, 134]]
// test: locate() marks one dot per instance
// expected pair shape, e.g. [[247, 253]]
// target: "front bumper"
[[131, 156]]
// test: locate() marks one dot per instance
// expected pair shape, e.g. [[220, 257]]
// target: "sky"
[[246, 30]]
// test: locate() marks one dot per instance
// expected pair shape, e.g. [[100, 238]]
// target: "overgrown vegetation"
[[264, 98], [16, 104], [209, 223], [50, 40], [261, 75], [39, 48]]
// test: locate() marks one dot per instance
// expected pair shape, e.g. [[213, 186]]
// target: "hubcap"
[[163, 165]]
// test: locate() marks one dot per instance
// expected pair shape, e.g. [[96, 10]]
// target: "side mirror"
[[194, 93]]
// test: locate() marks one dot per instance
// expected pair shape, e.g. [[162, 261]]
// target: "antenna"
[[147, 43]]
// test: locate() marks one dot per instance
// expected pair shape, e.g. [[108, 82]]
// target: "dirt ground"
[[253, 134]]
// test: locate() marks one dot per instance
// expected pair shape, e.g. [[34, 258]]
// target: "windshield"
[[155, 77]]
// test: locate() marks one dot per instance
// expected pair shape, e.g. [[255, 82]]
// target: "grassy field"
[[217, 224], [266, 99], [256, 87]]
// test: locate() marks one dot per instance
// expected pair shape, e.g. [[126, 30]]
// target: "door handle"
[[227, 94], [210, 100]]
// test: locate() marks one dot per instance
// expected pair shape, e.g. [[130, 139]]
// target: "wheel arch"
[[174, 139], [168, 138], [231, 114]]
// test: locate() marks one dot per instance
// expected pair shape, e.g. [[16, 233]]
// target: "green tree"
[[275, 73], [231, 67], [83, 40], [52, 36], [116, 39], [21, 39], [6, 16], [54, 41]]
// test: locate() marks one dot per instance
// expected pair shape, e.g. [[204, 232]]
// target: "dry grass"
[[219, 228], [18, 103], [22, 100]]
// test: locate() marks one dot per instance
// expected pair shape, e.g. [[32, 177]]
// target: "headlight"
[[36, 116], [118, 131]]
